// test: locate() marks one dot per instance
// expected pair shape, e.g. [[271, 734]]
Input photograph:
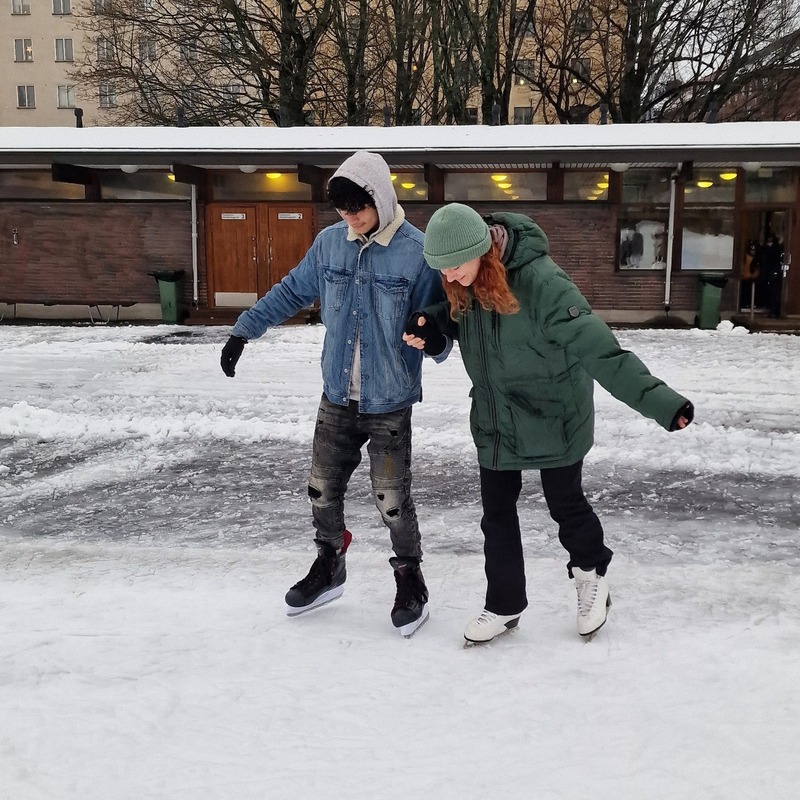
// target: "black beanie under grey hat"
[[454, 235]]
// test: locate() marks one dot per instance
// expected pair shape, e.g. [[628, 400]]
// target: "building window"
[[64, 50], [106, 50], [62, 7], [66, 97], [585, 185], [144, 5], [189, 53], [231, 92], [707, 240], [101, 6], [582, 23], [20, 7], [108, 95], [26, 97], [579, 72], [523, 115], [229, 43], [147, 49], [495, 186], [23, 50], [524, 71], [643, 219]]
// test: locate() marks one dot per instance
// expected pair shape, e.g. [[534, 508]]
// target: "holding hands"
[[422, 333]]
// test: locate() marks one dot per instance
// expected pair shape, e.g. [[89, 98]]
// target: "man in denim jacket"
[[369, 275]]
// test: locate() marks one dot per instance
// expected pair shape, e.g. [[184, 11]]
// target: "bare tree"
[[654, 59], [221, 61]]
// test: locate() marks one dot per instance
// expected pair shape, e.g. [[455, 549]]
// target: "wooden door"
[[289, 233], [232, 253]]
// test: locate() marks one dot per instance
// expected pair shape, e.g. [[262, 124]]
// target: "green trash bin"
[[167, 280], [711, 286]]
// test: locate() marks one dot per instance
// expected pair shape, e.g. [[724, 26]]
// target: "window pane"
[[770, 185], [66, 97], [410, 186], [707, 239], [590, 185], [643, 239], [36, 185], [144, 185], [707, 186], [26, 97], [235, 185], [646, 186], [496, 187], [23, 50], [63, 49]]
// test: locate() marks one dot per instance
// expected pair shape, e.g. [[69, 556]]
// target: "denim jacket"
[[366, 292]]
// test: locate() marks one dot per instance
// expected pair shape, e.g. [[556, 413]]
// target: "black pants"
[[579, 531]]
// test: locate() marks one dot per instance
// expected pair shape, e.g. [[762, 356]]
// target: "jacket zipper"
[[490, 391]]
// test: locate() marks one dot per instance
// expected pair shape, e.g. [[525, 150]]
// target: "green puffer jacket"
[[533, 372]]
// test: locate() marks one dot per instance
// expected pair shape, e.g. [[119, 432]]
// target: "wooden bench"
[[92, 307]]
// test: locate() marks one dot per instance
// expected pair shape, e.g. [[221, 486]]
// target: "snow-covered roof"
[[776, 142]]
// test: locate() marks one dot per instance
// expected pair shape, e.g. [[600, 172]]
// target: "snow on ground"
[[154, 512]]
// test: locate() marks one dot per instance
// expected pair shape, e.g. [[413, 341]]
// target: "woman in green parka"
[[533, 349]]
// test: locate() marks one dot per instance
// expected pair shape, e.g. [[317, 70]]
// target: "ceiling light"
[[751, 166], [704, 184], [129, 168], [170, 176], [503, 185], [408, 185], [247, 168], [393, 177], [620, 167], [728, 176], [602, 184], [498, 178], [273, 176]]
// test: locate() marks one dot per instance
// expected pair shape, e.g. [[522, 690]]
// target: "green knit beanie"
[[455, 234]]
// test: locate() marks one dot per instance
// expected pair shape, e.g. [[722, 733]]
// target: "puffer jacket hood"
[[371, 173]]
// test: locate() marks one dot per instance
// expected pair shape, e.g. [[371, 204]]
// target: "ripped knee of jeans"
[[389, 502]]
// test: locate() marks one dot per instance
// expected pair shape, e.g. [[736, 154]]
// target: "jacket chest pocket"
[[335, 288], [390, 295]]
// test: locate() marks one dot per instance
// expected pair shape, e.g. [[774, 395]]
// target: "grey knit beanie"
[[455, 234]]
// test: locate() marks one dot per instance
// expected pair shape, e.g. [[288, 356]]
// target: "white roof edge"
[[464, 138]]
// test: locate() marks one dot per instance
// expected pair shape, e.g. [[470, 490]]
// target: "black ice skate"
[[410, 606], [324, 582]]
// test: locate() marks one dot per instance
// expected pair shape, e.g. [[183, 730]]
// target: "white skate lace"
[[486, 617], [587, 594]]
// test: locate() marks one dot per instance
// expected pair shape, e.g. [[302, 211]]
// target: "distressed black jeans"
[[340, 434], [579, 531]]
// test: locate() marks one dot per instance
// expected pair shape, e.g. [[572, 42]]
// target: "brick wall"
[[583, 241], [75, 252]]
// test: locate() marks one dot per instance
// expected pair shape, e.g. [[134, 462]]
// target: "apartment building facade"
[[41, 43]]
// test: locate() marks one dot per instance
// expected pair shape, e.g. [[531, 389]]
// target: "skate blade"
[[407, 631], [470, 643], [322, 600]]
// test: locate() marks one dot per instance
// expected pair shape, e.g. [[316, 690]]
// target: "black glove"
[[230, 354], [435, 340], [686, 410]]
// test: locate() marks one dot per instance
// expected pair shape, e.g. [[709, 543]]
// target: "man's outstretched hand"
[[231, 353]]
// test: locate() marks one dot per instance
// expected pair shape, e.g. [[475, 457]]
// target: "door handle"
[[14, 237]]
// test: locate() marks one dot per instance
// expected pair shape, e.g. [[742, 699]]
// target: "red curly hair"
[[490, 289]]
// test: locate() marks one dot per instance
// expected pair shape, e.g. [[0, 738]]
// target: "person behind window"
[[771, 262]]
